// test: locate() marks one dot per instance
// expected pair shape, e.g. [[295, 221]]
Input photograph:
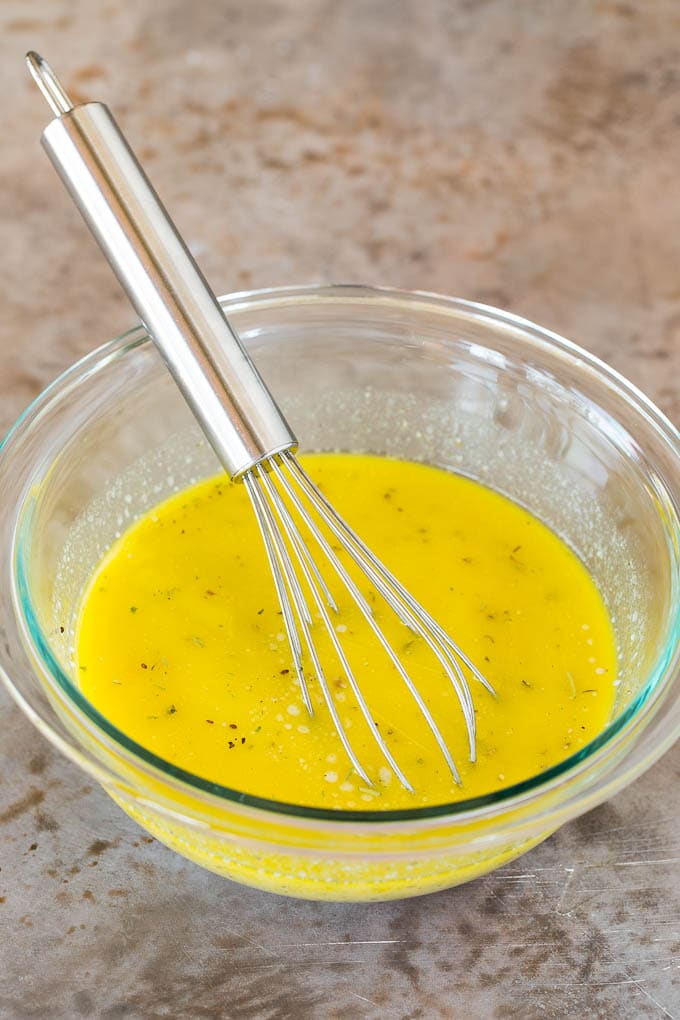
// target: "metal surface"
[[160, 277], [520, 154]]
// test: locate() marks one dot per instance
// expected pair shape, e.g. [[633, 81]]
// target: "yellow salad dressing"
[[182, 646]]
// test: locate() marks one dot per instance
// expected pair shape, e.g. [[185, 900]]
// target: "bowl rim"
[[640, 712]]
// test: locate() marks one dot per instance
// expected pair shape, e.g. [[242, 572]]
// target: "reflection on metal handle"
[[172, 298]]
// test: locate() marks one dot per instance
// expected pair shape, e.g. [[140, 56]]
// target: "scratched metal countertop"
[[518, 153]]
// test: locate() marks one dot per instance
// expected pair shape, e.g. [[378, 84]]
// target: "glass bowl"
[[413, 375]]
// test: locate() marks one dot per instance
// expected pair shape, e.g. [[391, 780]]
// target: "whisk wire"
[[324, 545], [367, 612], [272, 534], [398, 598], [301, 548], [274, 556], [290, 529]]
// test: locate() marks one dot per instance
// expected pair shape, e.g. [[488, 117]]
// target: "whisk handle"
[[167, 289]]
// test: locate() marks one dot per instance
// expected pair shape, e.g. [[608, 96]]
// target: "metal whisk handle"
[[167, 289]]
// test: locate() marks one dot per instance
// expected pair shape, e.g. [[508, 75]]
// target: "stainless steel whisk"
[[239, 417]]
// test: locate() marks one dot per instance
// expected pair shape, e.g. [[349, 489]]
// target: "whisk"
[[242, 422]]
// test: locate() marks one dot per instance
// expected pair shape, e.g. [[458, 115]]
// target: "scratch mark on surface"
[[649, 996], [512, 876], [570, 872], [598, 984], [252, 942], [343, 942], [647, 860], [364, 999]]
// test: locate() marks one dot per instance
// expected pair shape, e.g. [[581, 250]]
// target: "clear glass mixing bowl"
[[412, 375]]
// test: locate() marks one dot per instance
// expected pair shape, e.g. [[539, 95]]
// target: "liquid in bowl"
[[182, 646]]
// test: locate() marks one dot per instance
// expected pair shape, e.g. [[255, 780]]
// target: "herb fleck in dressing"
[[181, 642]]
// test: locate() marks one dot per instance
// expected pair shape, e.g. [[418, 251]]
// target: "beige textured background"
[[518, 152]]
